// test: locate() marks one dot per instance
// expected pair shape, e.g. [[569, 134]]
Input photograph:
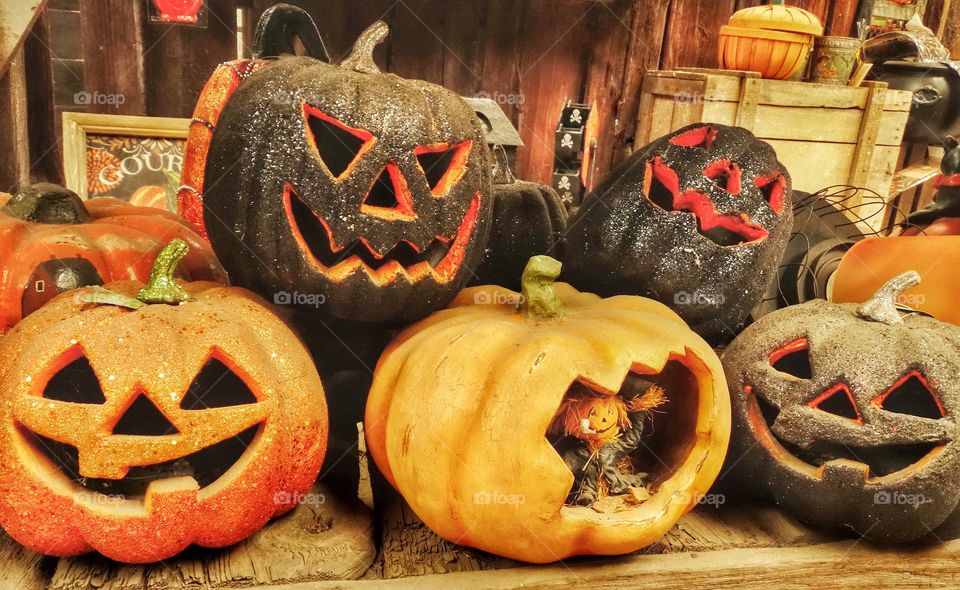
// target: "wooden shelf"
[[317, 545], [330, 542]]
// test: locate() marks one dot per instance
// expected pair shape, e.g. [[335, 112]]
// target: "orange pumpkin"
[[51, 241], [461, 404], [872, 262], [774, 40], [136, 432]]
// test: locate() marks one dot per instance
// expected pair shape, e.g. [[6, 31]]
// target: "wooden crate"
[[825, 135]]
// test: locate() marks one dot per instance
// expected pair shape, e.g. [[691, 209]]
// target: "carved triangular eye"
[[443, 165], [144, 418], [911, 395], [338, 145], [793, 359], [661, 184], [838, 400], [701, 137], [773, 189], [217, 386], [75, 383]]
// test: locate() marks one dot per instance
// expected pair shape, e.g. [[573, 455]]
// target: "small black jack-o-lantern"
[[367, 191], [699, 220], [529, 219], [846, 414]]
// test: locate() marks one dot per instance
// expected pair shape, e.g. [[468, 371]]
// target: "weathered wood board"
[[836, 565], [15, 20]]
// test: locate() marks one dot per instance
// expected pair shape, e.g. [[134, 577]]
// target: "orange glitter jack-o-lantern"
[[136, 429]]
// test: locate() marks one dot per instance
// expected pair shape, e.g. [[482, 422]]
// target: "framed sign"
[[135, 159]]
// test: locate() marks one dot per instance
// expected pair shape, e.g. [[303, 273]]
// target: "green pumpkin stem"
[[882, 307], [162, 287], [540, 301], [361, 57]]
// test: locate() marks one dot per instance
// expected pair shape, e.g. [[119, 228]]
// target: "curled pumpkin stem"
[[361, 58], [882, 307], [162, 286], [540, 301]]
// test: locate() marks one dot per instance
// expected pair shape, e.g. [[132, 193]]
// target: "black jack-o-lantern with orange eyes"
[[698, 220], [846, 415], [364, 189]]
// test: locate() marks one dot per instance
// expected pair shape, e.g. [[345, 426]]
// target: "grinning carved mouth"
[[882, 460], [662, 188], [204, 466], [440, 260]]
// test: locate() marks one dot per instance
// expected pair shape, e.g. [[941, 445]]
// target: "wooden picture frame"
[[154, 146]]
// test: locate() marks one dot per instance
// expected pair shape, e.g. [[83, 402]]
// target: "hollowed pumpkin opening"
[[443, 165], [205, 466], [646, 432], [913, 396], [440, 258], [338, 145]]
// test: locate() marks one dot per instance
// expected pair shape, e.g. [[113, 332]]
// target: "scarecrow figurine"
[[596, 433]]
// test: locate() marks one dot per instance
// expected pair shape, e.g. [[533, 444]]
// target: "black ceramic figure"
[[942, 217], [346, 192], [529, 219], [698, 220]]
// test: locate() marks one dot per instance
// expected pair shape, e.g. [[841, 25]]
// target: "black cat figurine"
[[942, 217]]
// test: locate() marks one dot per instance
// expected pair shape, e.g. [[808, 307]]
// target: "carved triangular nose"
[[144, 418], [389, 197]]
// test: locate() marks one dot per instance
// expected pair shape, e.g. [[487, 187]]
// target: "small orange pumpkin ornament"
[[462, 402], [137, 420], [774, 40]]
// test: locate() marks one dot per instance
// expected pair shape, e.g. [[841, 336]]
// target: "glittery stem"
[[361, 58], [883, 306], [162, 287], [540, 301]]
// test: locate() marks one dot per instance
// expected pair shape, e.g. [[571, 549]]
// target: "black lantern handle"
[[279, 27]]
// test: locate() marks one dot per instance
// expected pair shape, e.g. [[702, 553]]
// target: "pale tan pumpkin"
[[461, 403]]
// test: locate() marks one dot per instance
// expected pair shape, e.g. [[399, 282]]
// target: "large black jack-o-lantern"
[[367, 192], [698, 220], [846, 415]]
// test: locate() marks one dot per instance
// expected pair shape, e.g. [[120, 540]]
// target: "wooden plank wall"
[[530, 54]]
